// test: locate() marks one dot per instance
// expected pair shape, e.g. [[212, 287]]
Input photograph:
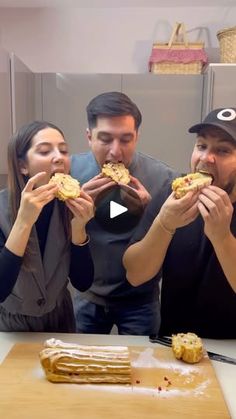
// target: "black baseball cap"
[[224, 118]]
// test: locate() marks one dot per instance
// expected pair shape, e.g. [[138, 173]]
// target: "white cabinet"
[[219, 87], [64, 100], [170, 104], [17, 87], [23, 93], [5, 113]]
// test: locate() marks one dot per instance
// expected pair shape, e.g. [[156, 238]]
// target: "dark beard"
[[229, 187]]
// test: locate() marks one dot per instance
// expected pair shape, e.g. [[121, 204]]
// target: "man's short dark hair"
[[111, 104]]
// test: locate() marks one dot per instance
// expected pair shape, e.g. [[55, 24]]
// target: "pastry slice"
[[68, 187], [117, 172], [188, 347], [191, 182]]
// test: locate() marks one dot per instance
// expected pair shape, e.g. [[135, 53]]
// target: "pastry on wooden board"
[[73, 363], [188, 347]]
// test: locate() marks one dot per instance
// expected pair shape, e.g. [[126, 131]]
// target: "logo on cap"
[[231, 114]]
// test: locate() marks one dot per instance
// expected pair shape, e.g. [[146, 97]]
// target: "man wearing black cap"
[[193, 240]]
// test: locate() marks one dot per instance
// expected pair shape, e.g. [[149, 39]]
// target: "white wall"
[[103, 40]]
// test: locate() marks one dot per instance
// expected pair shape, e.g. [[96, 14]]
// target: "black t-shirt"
[[195, 295]]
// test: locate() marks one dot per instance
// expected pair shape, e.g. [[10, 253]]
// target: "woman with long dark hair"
[[43, 241]]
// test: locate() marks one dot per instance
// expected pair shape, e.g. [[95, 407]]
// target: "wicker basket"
[[177, 57], [177, 68], [227, 40]]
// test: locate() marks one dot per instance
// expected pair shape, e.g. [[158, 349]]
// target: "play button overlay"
[[116, 209]]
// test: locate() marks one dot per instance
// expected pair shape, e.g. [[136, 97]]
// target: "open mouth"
[[113, 162], [62, 170]]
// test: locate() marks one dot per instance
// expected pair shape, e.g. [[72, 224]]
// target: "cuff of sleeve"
[[85, 242], [10, 255]]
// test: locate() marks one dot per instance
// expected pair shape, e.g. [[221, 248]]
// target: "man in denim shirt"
[[113, 124]]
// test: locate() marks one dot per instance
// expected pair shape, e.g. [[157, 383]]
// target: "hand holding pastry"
[[83, 210], [98, 184], [142, 192], [216, 210], [177, 213], [34, 198]]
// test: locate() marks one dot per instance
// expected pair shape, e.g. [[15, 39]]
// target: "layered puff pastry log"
[[68, 187], [72, 363], [117, 172], [188, 347]]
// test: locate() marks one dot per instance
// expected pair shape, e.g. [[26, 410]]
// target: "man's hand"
[[177, 213], [96, 185], [216, 210], [142, 192]]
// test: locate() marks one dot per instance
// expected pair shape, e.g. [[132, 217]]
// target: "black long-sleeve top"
[[81, 272]]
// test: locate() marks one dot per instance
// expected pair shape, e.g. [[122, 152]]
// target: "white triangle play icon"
[[116, 209]]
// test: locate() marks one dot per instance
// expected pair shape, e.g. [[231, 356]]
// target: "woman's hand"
[[31, 204], [34, 199], [83, 210]]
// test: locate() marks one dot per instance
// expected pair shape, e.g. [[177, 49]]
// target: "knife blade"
[[212, 355]]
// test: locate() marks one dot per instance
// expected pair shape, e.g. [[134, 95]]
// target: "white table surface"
[[226, 373]]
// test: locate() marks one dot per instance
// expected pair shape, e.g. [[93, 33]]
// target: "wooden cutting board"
[[161, 387]]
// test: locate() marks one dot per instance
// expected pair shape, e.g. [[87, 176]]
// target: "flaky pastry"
[[73, 363], [68, 187], [188, 347], [117, 172], [190, 182]]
